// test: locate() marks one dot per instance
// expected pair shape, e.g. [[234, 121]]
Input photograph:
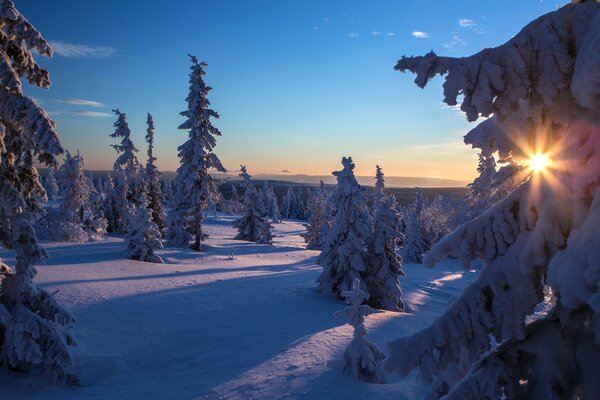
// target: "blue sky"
[[298, 84]]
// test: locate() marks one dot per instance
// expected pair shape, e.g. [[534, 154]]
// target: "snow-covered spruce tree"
[[287, 204], [152, 176], [385, 265], [272, 208], [194, 183], [65, 224], [76, 193], [379, 186], [298, 208], [362, 359], [266, 235], [143, 236], [414, 247], [127, 168], [35, 328], [234, 204], [542, 92], [109, 206], [51, 185], [345, 253], [252, 225], [436, 219], [314, 235], [167, 190]]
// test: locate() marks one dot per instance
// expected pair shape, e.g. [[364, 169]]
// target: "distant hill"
[[390, 181]]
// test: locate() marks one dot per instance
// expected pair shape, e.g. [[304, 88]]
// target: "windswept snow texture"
[[204, 326]]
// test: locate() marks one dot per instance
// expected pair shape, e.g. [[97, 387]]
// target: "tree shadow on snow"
[[190, 339]]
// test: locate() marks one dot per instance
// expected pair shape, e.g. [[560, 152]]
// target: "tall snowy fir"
[[382, 278], [252, 226], [76, 192], [345, 255], [414, 247], [194, 183], [152, 177], [362, 359], [271, 207], [541, 94], [379, 185], [35, 328], [51, 185], [317, 206], [127, 168]]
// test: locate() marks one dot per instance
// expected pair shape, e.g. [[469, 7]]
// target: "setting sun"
[[539, 162]]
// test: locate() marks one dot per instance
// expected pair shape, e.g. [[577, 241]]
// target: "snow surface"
[[205, 326]]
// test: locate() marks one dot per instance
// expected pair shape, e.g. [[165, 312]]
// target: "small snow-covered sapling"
[[362, 359]]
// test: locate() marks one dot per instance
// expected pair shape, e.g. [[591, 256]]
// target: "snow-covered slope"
[[205, 326]]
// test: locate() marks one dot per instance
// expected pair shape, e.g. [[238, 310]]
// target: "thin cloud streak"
[[82, 102], [76, 50], [93, 114]]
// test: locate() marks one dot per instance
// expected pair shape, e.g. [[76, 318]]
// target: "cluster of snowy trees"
[[362, 245]]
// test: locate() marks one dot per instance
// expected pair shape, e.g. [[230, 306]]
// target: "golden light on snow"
[[539, 162]]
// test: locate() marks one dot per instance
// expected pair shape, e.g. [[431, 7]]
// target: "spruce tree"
[[51, 186], [127, 168], [252, 226], [362, 359], [538, 89], [315, 234], [194, 183], [385, 265], [155, 196], [379, 185], [35, 327], [345, 256], [414, 247], [143, 236]]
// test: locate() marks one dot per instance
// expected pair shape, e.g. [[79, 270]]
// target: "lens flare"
[[539, 162]]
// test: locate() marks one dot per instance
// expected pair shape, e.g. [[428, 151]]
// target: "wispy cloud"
[[353, 35], [390, 34], [316, 28], [93, 114], [82, 102], [376, 33], [420, 35], [469, 24], [466, 23], [326, 19], [76, 50], [456, 40], [285, 171]]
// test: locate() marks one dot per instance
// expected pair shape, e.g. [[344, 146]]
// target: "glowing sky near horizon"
[[298, 84]]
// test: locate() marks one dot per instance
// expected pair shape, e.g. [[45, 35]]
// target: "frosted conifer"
[[143, 236], [194, 183], [252, 226], [152, 177], [362, 359], [539, 87], [51, 186], [414, 247], [344, 255], [315, 235], [382, 278], [35, 335]]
